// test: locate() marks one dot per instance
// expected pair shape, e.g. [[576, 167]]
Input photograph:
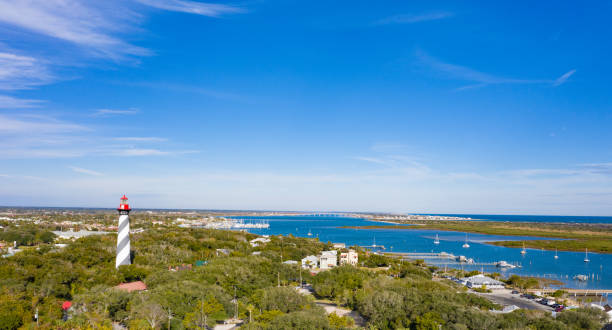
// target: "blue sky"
[[473, 107]]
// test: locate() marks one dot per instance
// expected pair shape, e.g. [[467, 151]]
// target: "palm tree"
[[250, 308]]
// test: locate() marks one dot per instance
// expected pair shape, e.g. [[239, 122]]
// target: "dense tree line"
[[26, 235], [256, 288]]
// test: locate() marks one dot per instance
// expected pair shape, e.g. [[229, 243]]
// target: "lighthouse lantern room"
[[123, 205]]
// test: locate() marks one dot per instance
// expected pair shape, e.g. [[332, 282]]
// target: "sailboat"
[[586, 255], [309, 233], [523, 251], [556, 256], [466, 245], [437, 240]]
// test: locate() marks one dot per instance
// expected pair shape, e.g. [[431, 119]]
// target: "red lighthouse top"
[[123, 205]]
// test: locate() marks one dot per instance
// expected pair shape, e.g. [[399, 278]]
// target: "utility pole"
[[235, 304], [278, 278], [300, 267], [169, 317]]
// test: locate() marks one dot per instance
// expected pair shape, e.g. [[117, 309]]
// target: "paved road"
[[506, 299]]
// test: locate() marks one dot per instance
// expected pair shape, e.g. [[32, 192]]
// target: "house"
[[259, 241], [223, 252], [11, 252], [328, 259], [70, 234], [180, 268], [290, 262], [480, 280], [256, 253], [132, 286], [310, 262], [339, 246], [349, 257]]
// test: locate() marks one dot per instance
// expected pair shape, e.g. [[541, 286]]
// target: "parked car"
[[515, 292], [560, 308]]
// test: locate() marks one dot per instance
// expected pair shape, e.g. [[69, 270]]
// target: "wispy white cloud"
[[182, 88], [409, 19], [140, 139], [27, 136], [192, 7], [600, 168], [561, 80], [115, 112], [97, 27], [85, 171], [546, 191], [373, 160], [139, 152], [89, 24], [22, 72], [9, 102], [477, 78], [36, 125]]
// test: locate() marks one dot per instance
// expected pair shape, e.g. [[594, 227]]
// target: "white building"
[[77, 234], [339, 246], [349, 257], [477, 281], [259, 241], [310, 262], [328, 259]]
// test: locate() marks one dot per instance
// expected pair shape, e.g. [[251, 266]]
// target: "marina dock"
[[575, 292]]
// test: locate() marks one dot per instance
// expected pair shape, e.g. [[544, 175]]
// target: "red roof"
[[124, 197], [132, 286]]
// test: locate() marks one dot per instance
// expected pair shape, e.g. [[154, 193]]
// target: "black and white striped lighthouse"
[[123, 236]]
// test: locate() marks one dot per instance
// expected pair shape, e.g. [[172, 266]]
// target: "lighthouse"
[[123, 236]]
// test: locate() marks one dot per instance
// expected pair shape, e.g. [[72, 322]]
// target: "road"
[[505, 298]]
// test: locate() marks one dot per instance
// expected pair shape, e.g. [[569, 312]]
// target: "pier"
[[575, 292], [450, 259], [425, 255]]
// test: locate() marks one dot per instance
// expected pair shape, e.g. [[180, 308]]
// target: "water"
[[533, 218], [534, 262]]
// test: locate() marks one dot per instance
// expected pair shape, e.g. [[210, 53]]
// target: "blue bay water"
[[534, 263]]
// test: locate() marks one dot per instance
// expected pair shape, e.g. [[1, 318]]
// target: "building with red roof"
[[132, 286]]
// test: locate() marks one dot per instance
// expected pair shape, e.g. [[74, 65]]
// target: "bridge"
[[329, 214]]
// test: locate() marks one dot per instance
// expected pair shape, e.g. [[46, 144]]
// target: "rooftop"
[[132, 286]]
